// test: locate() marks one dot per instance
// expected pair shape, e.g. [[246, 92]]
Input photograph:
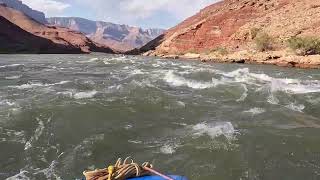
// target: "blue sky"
[[143, 13]]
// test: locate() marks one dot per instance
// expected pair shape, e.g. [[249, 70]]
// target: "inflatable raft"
[[129, 170], [158, 178]]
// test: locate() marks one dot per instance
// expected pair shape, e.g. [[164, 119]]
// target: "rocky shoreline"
[[278, 32], [278, 58]]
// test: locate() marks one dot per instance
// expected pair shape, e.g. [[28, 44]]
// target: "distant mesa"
[[77, 33], [120, 37]]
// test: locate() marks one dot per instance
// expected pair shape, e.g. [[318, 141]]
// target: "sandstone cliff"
[[60, 36], [232, 25], [16, 40], [121, 37]]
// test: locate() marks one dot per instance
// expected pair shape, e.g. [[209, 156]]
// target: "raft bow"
[[126, 170]]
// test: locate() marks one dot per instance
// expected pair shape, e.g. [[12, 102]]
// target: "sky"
[[142, 13]]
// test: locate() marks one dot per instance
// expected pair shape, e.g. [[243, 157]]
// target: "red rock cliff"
[[60, 36], [229, 24]]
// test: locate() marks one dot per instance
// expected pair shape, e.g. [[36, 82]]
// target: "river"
[[63, 114]]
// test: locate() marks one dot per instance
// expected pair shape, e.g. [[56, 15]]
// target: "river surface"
[[62, 114]]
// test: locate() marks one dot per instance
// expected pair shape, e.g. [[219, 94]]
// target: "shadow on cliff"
[[149, 46]]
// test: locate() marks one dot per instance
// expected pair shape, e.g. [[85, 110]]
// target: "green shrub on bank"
[[305, 45], [263, 42]]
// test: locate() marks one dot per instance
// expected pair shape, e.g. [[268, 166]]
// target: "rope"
[[120, 171]]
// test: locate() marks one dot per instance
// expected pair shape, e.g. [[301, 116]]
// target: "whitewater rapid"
[[61, 113]]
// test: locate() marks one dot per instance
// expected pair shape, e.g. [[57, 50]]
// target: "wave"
[[292, 86], [168, 149], [255, 111], [244, 94], [9, 135], [214, 130], [33, 85], [7, 102], [295, 107], [13, 77], [245, 77], [88, 61], [175, 80], [11, 65], [136, 72], [85, 95], [29, 86], [37, 133], [119, 59], [22, 175], [272, 99], [28, 173], [93, 59]]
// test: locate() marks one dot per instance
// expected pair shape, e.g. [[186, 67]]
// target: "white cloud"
[[135, 11], [49, 7], [146, 13], [180, 8]]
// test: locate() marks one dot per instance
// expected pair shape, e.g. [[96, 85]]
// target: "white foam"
[[255, 111], [155, 65], [7, 102], [168, 149], [93, 59], [30, 172], [175, 80], [13, 77], [38, 132], [36, 84], [117, 60], [272, 99], [85, 95], [50, 171], [12, 136], [214, 130], [11, 65], [244, 94], [314, 101], [136, 72], [88, 61], [20, 176], [60, 83], [293, 86], [128, 126], [135, 141], [296, 107], [29, 86], [66, 93], [181, 104]]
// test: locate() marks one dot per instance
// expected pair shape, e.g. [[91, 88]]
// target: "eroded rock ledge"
[[278, 58]]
